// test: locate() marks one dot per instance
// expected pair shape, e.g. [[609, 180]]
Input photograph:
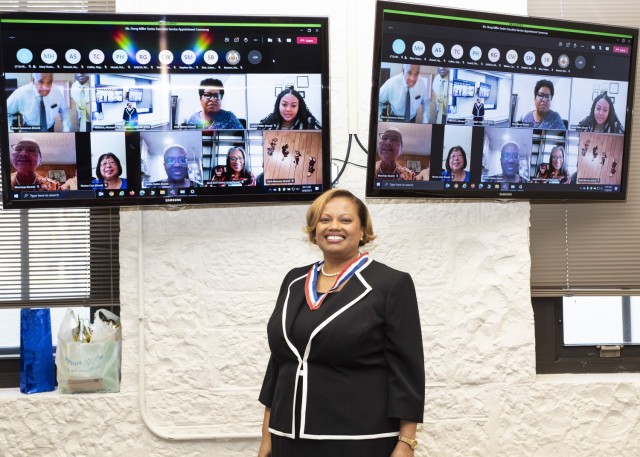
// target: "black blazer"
[[363, 367], [478, 110]]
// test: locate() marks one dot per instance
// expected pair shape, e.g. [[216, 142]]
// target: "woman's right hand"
[[265, 443], [265, 447]]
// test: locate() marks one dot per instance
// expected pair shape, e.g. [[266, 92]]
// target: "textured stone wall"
[[208, 284]]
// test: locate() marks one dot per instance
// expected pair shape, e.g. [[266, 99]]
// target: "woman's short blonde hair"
[[316, 208]]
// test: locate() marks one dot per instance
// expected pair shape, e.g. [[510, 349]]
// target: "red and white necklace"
[[310, 287]]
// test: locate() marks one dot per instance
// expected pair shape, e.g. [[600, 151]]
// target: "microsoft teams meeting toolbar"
[[135, 47], [499, 47]]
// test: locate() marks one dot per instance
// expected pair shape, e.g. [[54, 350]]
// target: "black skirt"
[[286, 447]]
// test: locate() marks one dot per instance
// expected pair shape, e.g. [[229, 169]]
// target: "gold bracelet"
[[412, 443]]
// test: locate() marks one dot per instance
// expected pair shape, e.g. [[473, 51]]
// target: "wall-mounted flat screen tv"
[[135, 95], [481, 105], [163, 110], [484, 90], [105, 94], [462, 88]]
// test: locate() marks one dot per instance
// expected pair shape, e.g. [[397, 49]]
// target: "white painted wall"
[[209, 281]]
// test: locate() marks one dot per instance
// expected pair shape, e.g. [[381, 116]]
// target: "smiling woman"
[[109, 172], [238, 169], [335, 322], [455, 165], [602, 117], [290, 112]]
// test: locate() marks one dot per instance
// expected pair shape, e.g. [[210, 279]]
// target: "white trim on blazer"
[[302, 369]]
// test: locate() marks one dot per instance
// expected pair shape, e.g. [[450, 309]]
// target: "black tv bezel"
[[467, 194], [225, 196]]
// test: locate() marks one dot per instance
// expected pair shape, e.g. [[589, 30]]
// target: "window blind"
[[59, 257], [594, 248]]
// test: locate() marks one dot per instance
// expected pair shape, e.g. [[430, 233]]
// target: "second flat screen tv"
[[115, 110], [481, 105]]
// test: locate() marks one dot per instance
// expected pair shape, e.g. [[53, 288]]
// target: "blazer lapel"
[[350, 295], [353, 292], [295, 298]]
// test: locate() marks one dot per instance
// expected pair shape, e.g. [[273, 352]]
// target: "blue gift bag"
[[36, 351]]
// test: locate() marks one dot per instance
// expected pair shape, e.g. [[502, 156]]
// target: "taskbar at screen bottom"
[[495, 190], [19, 199]]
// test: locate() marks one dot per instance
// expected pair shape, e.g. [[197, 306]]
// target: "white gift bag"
[[92, 366]]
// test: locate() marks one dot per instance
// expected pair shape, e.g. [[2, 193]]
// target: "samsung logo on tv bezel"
[[173, 200], [505, 194]]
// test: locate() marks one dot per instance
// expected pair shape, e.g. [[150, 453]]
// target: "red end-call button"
[[307, 40]]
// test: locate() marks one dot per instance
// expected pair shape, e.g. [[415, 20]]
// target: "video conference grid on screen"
[[476, 105], [152, 112]]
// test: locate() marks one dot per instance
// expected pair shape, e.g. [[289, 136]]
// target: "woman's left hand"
[[407, 429], [402, 450]]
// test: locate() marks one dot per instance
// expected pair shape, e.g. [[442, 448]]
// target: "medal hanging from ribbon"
[[313, 300]]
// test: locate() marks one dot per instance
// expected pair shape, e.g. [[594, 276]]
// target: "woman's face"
[[456, 161], [557, 159], [289, 107], [601, 111], [109, 168], [236, 161], [543, 100], [338, 231], [211, 100]]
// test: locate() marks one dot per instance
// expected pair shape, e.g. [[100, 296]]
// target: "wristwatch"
[[408, 441]]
